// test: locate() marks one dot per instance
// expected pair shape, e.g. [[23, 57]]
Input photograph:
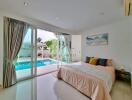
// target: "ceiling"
[[72, 15]]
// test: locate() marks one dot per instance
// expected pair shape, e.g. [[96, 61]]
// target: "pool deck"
[[40, 70], [29, 59]]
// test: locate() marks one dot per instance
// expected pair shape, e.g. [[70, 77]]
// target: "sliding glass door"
[[24, 61], [47, 49], [41, 52]]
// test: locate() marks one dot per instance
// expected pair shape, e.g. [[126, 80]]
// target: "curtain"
[[65, 47], [14, 32]]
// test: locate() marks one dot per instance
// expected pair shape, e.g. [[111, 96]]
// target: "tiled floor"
[[121, 91], [47, 87]]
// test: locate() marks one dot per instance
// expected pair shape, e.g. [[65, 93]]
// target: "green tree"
[[52, 44]]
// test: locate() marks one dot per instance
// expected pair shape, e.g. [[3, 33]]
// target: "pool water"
[[28, 64]]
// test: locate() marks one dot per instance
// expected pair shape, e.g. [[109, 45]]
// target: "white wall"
[[1, 49], [131, 33], [35, 23], [120, 44], [76, 47], [131, 43]]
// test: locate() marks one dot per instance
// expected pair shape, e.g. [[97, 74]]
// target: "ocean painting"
[[98, 39]]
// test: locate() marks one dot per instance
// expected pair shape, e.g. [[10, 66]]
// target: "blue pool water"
[[28, 64]]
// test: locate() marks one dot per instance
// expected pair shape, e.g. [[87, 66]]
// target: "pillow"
[[87, 59], [93, 61], [102, 62], [109, 62]]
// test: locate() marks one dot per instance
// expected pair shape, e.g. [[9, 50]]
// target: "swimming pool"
[[28, 64]]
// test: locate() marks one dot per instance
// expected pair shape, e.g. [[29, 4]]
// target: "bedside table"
[[131, 78], [123, 75]]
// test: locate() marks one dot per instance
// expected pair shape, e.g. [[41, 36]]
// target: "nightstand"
[[131, 78], [123, 75]]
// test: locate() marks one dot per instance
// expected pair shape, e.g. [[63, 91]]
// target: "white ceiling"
[[73, 15]]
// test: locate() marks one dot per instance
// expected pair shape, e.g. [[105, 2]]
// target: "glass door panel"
[[41, 52], [23, 63], [47, 49]]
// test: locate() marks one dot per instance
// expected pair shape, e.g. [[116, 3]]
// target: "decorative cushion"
[[87, 59], [102, 62], [93, 61], [109, 62]]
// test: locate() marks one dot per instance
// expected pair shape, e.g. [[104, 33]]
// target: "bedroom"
[[87, 20]]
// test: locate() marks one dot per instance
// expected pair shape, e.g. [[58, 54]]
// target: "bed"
[[93, 81]]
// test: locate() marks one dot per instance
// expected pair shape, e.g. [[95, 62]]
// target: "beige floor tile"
[[47, 87]]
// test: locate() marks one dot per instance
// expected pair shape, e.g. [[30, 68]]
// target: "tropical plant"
[[52, 44]]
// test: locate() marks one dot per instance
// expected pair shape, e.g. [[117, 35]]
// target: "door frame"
[[33, 55]]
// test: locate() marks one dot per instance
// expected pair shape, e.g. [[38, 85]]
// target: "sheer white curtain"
[[64, 45]]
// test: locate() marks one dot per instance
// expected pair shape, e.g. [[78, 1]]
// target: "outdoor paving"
[[40, 70]]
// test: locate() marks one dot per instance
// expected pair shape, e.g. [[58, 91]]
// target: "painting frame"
[[97, 39]]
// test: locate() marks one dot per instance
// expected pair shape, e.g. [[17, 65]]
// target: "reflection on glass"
[[27, 90]]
